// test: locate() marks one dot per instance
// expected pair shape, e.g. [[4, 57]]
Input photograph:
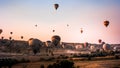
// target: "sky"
[[21, 16]]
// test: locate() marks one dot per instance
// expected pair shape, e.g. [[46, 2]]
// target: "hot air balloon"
[[35, 25], [92, 48], [79, 46], [116, 48], [106, 23], [99, 40], [10, 38], [48, 43], [56, 40], [1, 31], [67, 25], [11, 32], [106, 47], [85, 44], [2, 37], [81, 30], [53, 30], [21, 37], [56, 6], [103, 43], [35, 44]]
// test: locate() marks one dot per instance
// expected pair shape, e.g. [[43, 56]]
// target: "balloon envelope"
[[21, 37], [99, 40], [1, 31], [2, 37], [92, 48], [35, 25], [85, 44], [117, 48], [106, 23], [56, 6], [81, 30], [53, 30], [67, 25], [10, 38], [11, 32], [35, 44], [55, 39], [106, 47], [48, 43]]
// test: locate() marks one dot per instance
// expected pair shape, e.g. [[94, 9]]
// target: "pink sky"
[[21, 16]]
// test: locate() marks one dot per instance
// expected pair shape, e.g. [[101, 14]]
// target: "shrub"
[[50, 59], [23, 60], [7, 62], [42, 66], [62, 64], [116, 57], [50, 66], [66, 64]]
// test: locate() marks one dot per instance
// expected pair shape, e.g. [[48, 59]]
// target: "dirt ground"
[[78, 64]]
